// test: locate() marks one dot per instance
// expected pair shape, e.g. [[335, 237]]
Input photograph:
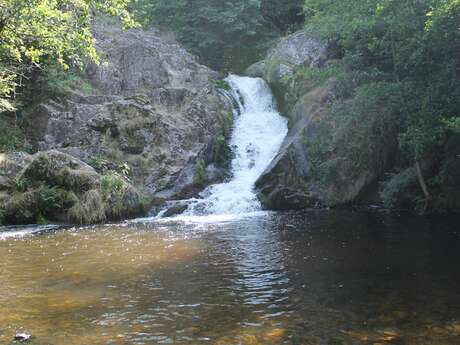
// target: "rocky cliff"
[[343, 146], [290, 182], [152, 113], [152, 106]]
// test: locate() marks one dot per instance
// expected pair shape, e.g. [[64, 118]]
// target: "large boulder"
[[151, 106], [287, 182], [54, 186], [298, 50], [290, 182]]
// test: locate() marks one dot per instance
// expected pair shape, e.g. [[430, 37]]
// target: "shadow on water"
[[320, 277]]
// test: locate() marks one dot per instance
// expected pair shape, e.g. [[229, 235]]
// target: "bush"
[[12, 137], [112, 183], [99, 163], [399, 190], [57, 81], [48, 199]]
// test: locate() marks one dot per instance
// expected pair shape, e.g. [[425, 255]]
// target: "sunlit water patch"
[[311, 278]]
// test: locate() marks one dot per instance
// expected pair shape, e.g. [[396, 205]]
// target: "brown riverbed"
[[322, 277]]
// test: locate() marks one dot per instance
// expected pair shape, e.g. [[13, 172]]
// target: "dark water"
[[320, 277]]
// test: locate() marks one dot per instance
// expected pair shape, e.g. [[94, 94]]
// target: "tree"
[[33, 32], [227, 34], [413, 44]]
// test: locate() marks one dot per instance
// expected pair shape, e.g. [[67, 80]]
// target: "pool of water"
[[320, 277]]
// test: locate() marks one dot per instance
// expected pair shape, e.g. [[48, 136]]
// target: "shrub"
[[48, 199], [12, 137], [57, 81], [399, 190], [99, 163], [112, 183], [21, 184], [200, 172]]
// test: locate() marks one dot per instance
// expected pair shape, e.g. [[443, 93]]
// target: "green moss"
[[22, 208], [77, 180], [89, 209]]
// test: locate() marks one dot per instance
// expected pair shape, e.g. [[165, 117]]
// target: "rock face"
[[151, 107], [291, 53], [289, 182]]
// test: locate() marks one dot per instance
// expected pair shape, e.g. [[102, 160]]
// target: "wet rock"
[[287, 183], [175, 210]]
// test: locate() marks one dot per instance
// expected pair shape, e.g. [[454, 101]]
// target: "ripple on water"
[[263, 279]]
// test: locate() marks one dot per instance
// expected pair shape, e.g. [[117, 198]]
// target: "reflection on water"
[[313, 278]]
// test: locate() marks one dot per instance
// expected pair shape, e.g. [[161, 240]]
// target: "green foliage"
[[12, 137], [399, 189], [222, 152], [2, 215], [105, 166], [112, 183], [306, 79], [37, 32], [225, 34], [100, 163], [21, 184], [401, 89], [222, 84], [200, 172], [48, 199], [55, 80]]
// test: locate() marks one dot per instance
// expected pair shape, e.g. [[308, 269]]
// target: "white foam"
[[257, 135]]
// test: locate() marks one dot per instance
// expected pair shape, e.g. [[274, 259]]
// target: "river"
[[226, 273]]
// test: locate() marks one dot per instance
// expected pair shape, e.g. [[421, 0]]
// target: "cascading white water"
[[257, 136]]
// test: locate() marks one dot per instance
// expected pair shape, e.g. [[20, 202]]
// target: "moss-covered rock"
[[22, 208], [55, 186], [77, 180], [89, 209]]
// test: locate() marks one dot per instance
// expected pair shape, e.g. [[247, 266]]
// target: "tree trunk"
[[423, 185]]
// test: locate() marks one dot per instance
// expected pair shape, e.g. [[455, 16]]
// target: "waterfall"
[[257, 135]]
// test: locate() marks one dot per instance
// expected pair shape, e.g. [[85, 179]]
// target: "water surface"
[[320, 277]]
